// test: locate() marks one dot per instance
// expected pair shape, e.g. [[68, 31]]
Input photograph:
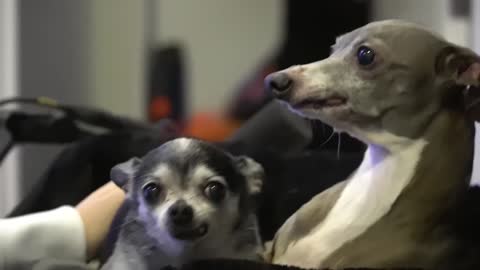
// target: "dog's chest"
[[368, 196], [135, 249]]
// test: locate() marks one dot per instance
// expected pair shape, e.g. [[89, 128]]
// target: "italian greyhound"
[[401, 90], [189, 200]]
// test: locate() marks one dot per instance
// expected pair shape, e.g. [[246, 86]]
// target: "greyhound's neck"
[[443, 166], [428, 171], [416, 177]]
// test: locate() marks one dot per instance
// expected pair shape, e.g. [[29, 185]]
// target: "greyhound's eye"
[[151, 192], [215, 191], [365, 56]]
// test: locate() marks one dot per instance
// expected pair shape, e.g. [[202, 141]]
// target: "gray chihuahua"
[[189, 200], [400, 89]]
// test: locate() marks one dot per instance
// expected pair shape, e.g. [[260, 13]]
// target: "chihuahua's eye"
[[215, 191], [365, 56], [151, 192]]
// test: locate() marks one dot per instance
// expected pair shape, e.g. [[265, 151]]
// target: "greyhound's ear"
[[121, 173], [460, 65], [253, 172], [472, 103]]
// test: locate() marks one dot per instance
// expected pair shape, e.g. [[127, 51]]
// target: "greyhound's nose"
[[180, 213], [279, 84]]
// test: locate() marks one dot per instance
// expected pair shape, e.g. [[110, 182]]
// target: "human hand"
[[97, 212]]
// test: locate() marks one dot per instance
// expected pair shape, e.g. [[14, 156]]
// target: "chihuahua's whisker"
[[125, 223]]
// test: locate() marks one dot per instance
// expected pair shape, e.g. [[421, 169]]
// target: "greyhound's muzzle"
[[279, 85]]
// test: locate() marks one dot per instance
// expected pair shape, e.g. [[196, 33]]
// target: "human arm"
[[65, 233]]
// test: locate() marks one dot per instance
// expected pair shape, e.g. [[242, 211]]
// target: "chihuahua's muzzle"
[[181, 222]]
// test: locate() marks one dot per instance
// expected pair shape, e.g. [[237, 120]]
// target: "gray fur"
[[413, 93]]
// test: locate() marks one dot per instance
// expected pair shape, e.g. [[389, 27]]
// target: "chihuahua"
[[188, 200]]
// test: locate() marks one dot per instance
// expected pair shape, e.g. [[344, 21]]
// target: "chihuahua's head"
[[382, 81], [189, 191]]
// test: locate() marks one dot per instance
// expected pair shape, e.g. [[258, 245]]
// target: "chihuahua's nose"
[[180, 213], [279, 84]]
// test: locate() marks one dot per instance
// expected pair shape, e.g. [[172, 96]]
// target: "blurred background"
[[199, 62]]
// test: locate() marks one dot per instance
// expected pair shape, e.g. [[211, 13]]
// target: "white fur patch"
[[182, 144], [202, 172], [162, 171], [368, 196]]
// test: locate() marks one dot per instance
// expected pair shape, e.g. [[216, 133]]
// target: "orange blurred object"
[[210, 127], [160, 107]]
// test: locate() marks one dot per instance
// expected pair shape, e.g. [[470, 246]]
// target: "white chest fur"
[[368, 196]]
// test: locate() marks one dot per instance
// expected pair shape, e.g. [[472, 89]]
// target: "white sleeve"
[[55, 234]]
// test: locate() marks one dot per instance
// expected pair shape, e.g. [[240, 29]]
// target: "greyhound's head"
[[384, 81]]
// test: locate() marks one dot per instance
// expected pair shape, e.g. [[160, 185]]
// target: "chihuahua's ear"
[[460, 65], [253, 172], [121, 173]]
